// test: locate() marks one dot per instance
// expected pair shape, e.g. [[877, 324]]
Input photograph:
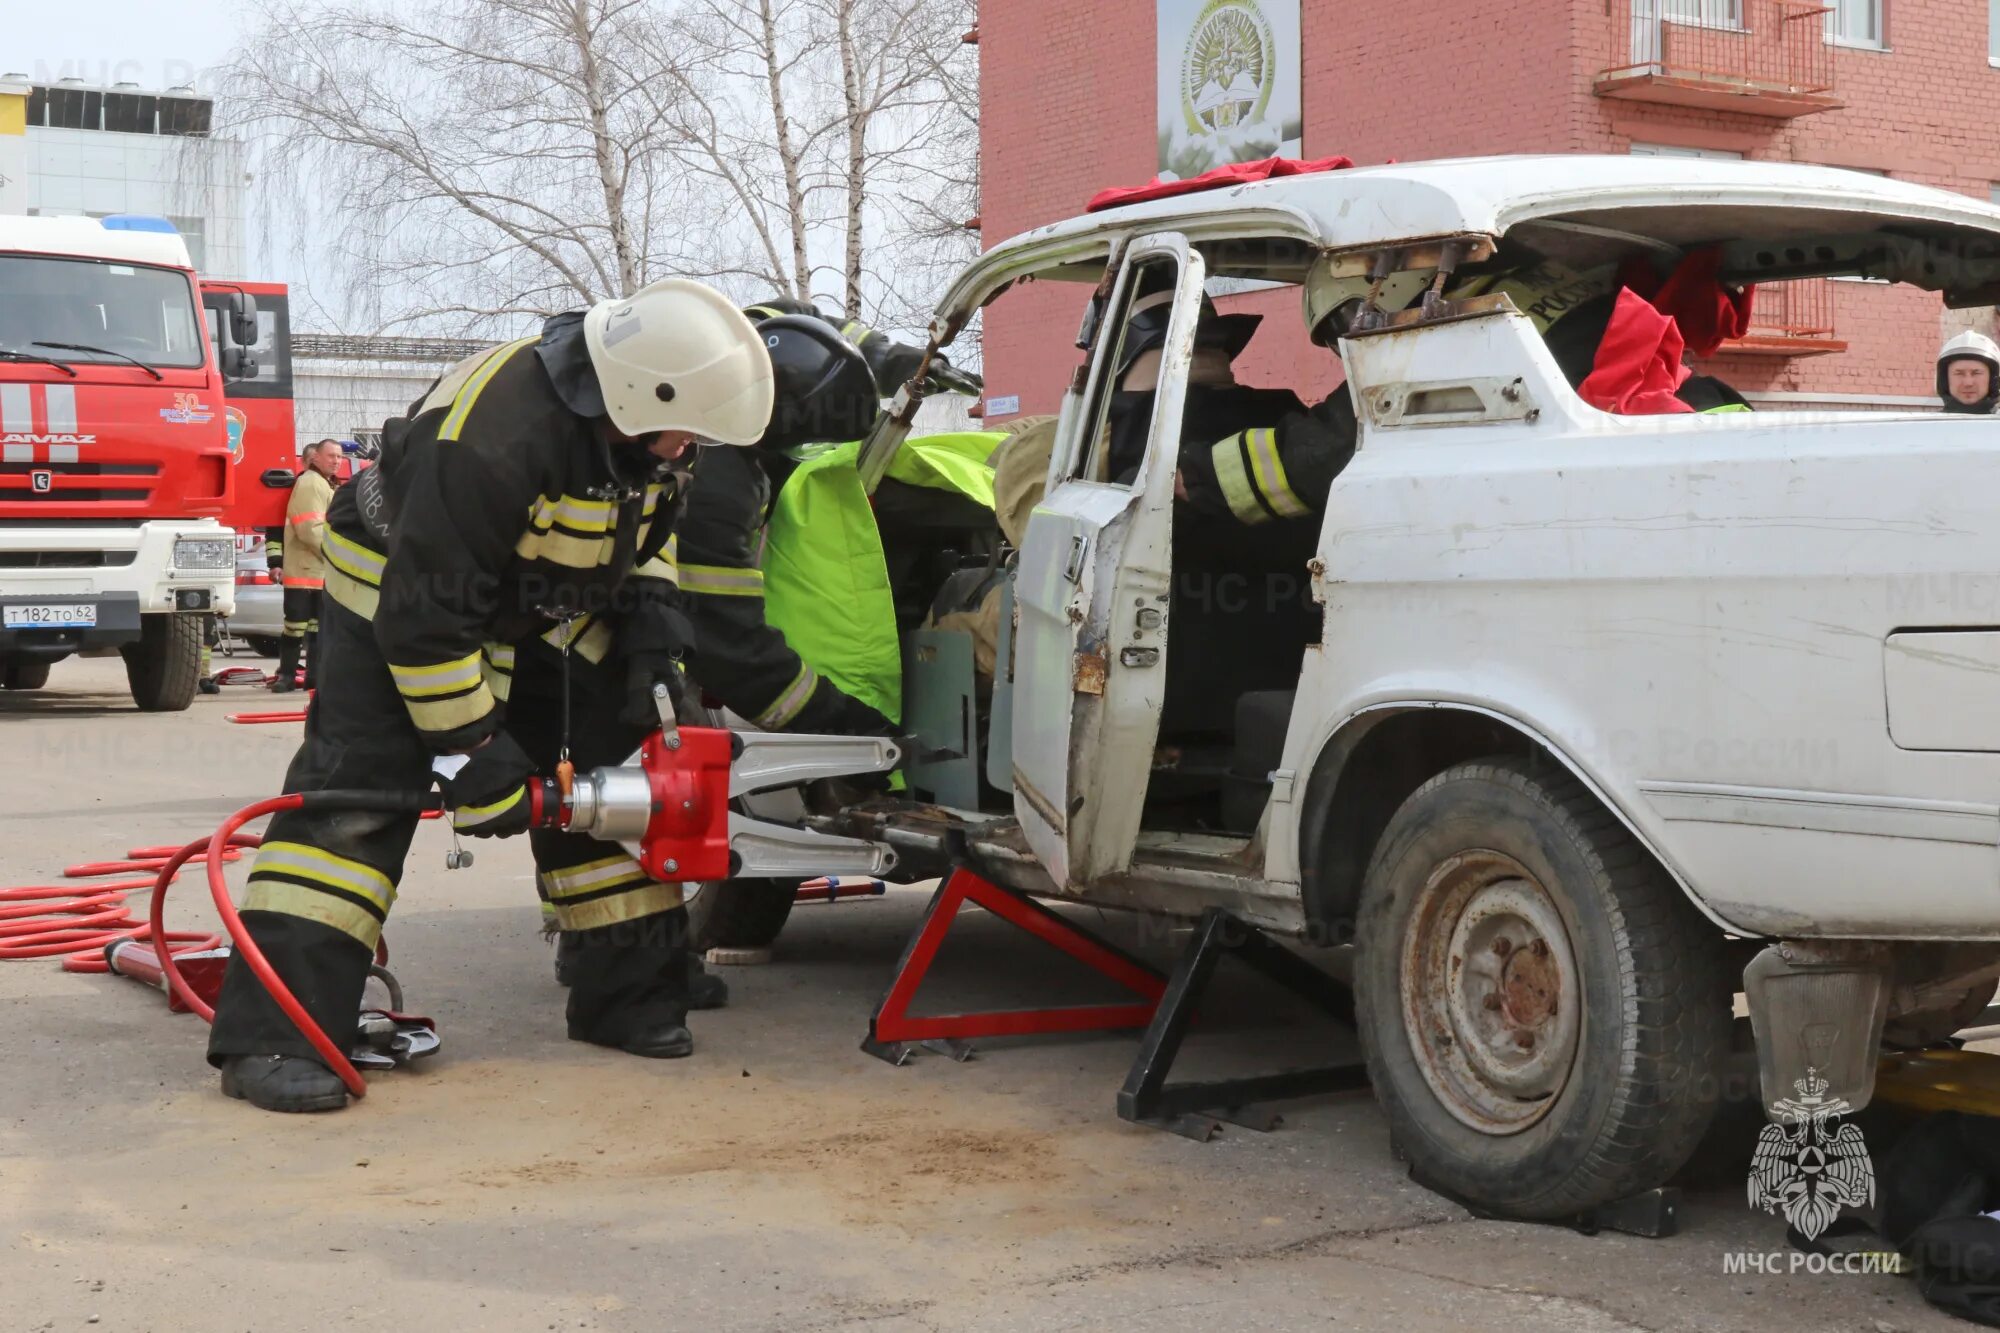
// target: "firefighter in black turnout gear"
[[831, 378], [837, 376], [511, 554], [1247, 456]]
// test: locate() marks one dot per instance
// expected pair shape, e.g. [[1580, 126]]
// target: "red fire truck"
[[258, 394], [115, 457], [263, 440]]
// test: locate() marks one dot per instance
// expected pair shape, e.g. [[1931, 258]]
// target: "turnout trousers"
[[323, 883], [301, 603]]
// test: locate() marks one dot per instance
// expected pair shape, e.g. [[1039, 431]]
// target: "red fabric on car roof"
[[1708, 312], [1638, 363], [1236, 173]]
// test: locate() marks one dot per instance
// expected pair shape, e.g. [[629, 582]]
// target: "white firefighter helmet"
[[1971, 344], [676, 355]]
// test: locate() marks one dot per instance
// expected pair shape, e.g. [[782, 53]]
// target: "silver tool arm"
[[776, 759]]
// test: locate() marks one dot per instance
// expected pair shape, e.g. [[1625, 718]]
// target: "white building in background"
[[78, 150], [344, 386]]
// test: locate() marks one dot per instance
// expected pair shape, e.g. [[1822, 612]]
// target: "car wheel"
[[740, 913], [1545, 1015], [262, 644], [164, 666]]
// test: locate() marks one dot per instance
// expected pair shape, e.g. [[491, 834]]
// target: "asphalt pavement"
[[779, 1179]]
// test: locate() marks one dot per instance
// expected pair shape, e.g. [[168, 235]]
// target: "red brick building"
[[1908, 88]]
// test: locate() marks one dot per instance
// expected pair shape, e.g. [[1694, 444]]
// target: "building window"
[[1856, 23], [1707, 13], [1671, 150]]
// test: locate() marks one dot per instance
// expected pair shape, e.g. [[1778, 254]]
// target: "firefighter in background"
[[508, 561], [1968, 374], [305, 572]]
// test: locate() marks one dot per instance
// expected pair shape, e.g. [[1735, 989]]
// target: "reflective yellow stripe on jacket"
[[1252, 478], [722, 580], [790, 701], [468, 393], [586, 636], [353, 575], [444, 696]]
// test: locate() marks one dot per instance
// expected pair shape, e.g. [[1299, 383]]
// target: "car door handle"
[[1073, 571]]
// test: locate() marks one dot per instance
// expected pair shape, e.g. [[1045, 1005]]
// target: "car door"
[[1090, 656]]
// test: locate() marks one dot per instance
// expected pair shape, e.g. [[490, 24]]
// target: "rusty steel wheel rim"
[[1490, 991]]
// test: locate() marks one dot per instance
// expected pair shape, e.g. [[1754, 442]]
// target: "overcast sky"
[[156, 43]]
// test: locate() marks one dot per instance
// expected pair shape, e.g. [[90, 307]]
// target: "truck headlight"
[[205, 553]]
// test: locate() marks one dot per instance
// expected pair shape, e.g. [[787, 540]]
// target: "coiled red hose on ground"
[[46, 920]]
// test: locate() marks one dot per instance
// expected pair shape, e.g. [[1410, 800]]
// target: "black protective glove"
[[653, 640], [845, 715], [488, 797], [947, 378]]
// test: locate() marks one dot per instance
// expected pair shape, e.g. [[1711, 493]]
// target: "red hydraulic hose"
[[217, 845], [246, 948], [46, 920]]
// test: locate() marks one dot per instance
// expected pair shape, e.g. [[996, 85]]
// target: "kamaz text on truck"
[[115, 460]]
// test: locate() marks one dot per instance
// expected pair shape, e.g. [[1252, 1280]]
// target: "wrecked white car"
[[1599, 720]]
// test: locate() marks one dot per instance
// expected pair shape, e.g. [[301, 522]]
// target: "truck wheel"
[[1545, 1015], [164, 666], [25, 675], [740, 913]]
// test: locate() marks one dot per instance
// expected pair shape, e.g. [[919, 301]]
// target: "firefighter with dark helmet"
[[510, 553], [739, 658], [1968, 374]]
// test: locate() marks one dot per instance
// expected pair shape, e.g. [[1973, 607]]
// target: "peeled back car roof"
[[1408, 200], [87, 238]]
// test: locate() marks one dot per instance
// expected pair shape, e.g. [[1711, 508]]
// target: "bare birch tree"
[[477, 160], [466, 163]]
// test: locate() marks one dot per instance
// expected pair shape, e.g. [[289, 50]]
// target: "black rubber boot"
[[207, 685], [288, 1083], [285, 679], [312, 659], [705, 990], [629, 989]]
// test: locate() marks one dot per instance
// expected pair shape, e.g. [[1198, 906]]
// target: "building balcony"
[[1790, 319], [1765, 58]]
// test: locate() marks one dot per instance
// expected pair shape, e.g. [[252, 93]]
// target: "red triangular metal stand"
[[894, 1030]]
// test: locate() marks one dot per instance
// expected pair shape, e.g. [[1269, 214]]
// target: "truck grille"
[[17, 482], [66, 559]]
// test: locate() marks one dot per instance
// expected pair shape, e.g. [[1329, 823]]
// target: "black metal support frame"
[[1198, 1110]]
